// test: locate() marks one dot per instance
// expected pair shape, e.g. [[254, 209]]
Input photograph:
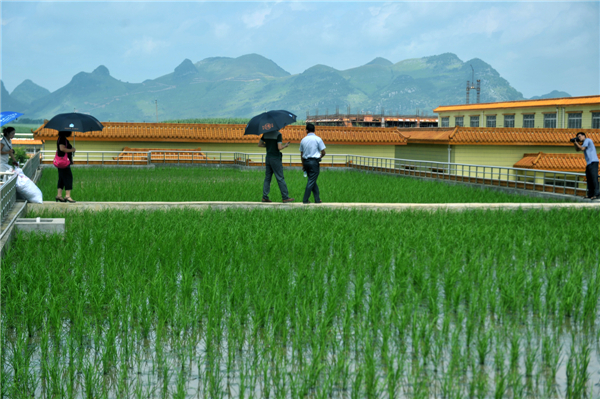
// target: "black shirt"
[[65, 142], [271, 144]]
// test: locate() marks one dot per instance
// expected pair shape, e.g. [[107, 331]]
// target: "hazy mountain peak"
[[185, 68], [443, 61], [27, 92], [8, 103], [320, 68], [552, 94], [101, 71], [380, 61]]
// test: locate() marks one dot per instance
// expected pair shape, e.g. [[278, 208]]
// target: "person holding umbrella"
[[267, 125], [6, 149], [273, 142], [65, 176], [65, 124]]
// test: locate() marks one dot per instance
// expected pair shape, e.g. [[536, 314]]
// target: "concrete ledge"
[[17, 211], [58, 207], [39, 225]]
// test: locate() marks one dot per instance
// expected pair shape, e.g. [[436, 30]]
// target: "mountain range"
[[247, 85]]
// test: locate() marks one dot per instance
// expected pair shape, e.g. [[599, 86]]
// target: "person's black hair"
[[8, 130], [64, 133], [581, 133], [310, 127]]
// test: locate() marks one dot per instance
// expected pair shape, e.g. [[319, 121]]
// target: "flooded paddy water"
[[287, 304]]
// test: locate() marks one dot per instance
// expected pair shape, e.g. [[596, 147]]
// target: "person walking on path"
[[274, 144], [591, 159], [312, 150], [65, 176], [6, 148]]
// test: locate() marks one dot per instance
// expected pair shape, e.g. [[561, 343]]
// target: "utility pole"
[[156, 103]]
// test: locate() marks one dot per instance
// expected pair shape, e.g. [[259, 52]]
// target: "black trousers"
[[65, 178], [591, 176], [313, 169]]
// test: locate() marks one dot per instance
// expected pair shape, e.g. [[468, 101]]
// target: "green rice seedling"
[[222, 184], [218, 294], [501, 385], [484, 345]]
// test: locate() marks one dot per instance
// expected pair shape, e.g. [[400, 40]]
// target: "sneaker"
[[288, 200], [266, 200]]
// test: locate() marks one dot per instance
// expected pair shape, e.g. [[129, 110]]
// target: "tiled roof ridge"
[[517, 103], [567, 162], [160, 149], [225, 133]]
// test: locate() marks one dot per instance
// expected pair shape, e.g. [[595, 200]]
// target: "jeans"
[[591, 176], [312, 168], [274, 166]]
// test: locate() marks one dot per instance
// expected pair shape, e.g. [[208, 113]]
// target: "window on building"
[[574, 121], [509, 121], [474, 121], [446, 121], [595, 120], [550, 121], [459, 121], [529, 120], [490, 121]]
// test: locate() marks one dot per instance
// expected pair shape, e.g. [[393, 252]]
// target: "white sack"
[[27, 189]]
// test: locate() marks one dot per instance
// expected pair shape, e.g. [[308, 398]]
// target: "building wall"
[[562, 120], [501, 155], [424, 152], [294, 149]]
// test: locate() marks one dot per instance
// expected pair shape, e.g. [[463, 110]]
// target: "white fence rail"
[[8, 187], [520, 179]]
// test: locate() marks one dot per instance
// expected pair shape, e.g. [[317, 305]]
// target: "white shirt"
[[311, 146], [7, 143]]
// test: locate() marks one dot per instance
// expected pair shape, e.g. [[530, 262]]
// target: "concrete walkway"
[[127, 206]]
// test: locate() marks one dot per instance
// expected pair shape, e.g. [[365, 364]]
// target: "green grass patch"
[[228, 184], [292, 304], [23, 127]]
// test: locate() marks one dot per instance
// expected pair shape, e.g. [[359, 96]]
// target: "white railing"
[[8, 187], [500, 176], [8, 193], [32, 165], [521, 179]]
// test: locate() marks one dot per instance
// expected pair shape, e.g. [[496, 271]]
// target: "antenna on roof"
[[471, 86]]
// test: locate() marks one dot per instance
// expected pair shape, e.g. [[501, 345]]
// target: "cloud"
[[145, 46], [257, 18], [221, 30]]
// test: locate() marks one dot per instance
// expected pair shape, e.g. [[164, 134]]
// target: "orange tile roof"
[[546, 102], [558, 162], [222, 133], [496, 136], [159, 153], [27, 142]]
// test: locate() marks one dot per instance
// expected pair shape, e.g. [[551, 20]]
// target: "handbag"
[[61, 162]]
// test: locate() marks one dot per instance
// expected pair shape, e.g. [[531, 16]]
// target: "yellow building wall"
[[387, 151], [501, 155], [424, 152], [562, 120]]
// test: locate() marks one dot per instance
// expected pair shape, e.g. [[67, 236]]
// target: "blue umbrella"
[[8, 116]]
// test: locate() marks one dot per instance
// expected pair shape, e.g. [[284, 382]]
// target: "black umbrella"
[[74, 122], [271, 121]]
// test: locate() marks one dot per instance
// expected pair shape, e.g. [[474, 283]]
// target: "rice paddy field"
[[303, 304], [231, 184]]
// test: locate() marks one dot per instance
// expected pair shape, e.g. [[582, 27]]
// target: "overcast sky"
[[537, 46]]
